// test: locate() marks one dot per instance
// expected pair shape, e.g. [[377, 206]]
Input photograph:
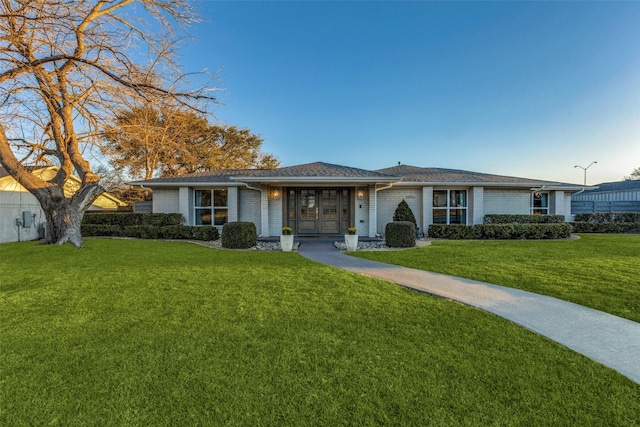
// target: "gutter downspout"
[[264, 221], [539, 189], [373, 209]]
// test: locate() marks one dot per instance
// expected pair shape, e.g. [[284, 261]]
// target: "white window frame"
[[213, 208], [448, 208], [544, 210]]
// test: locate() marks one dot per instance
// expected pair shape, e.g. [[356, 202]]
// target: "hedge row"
[[126, 219], [608, 217], [500, 231], [608, 227], [205, 233], [523, 219]]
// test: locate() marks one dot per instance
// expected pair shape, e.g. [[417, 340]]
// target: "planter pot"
[[351, 240], [286, 243]]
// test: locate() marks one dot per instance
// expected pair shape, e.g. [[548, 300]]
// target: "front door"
[[318, 211]]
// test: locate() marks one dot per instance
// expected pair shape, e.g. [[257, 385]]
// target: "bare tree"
[[64, 65]]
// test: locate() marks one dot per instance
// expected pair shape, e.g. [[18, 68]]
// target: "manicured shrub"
[[606, 227], [608, 217], [126, 219], [500, 231], [206, 233], [404, 213], [100, 230], [523, 219], [146, 226], [400, 234], [239, 235]]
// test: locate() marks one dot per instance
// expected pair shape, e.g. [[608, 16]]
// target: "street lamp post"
[[585, 170]]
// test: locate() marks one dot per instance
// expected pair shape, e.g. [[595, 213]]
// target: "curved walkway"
[[608, 339]]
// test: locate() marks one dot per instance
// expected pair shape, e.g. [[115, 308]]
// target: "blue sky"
[[514, 88]]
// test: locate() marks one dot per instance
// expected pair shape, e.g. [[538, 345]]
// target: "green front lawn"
[[598, 270], [160, 333]]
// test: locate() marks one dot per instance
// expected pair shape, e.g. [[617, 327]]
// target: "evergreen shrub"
[[608, 217], [523, 219], [501, 231], [239, 235], [404, 213], [400, 234], [125, 219], [606, 227]]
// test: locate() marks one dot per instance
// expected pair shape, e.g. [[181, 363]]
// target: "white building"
[[321, 199]]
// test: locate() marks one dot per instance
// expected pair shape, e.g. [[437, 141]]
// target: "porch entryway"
[[319, 211]]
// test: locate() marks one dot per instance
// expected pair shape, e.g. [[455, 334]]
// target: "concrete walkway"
[[608, 339]]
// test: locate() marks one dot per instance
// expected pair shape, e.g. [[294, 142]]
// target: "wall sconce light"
[[360, 193], [275, 193]]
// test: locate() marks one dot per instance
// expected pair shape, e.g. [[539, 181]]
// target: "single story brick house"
[[321, 199]]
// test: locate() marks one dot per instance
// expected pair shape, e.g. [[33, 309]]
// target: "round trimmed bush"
[[239, 235], [400, 234]]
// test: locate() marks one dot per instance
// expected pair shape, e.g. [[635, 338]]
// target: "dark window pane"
[[220, 216], [458, 216], [440, 198], [203, 216], [458, 198], [439, 216], [203, 198], [220, 197]]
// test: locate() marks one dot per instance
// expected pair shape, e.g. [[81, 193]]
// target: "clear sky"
[[524, 89]]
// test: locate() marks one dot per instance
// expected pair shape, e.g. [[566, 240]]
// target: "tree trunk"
[[64, 215], [63, 225]]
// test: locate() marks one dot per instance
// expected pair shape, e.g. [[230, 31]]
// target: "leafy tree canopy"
[[153, 140], [634, 175]]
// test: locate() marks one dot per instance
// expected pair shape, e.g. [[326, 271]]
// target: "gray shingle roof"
[[418, 174], [320, 170], [308, 170], [223, 175]]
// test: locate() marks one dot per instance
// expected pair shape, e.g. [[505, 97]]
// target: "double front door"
[[318, 211]]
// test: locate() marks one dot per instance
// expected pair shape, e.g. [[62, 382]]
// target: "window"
[[540, 204], [450, 207], [211, 205]]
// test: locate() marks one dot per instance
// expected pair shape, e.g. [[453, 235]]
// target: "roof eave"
[[528, 185], [280, 180]]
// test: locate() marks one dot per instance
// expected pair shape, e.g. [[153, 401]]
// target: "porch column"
[[559, 204], [232, 204], [427, 209], [373, 211], [477, 205], [264, 212], [184, 207]]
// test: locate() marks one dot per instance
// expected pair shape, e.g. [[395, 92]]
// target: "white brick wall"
[[275, 216], [166, 200], [249, 207], [388, 202], [476, 205], [512, 202], [361, 213]]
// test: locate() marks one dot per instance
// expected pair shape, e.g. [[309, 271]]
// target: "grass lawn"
[[598, 270], [160, 333]]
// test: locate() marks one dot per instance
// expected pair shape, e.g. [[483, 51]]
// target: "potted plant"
[[351, 239], [286, 239]]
